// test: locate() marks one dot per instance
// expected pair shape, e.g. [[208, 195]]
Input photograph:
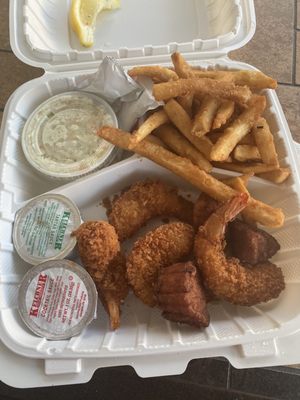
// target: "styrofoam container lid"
[[40, 34]]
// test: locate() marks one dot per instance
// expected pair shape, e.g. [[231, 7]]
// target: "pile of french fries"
[[209, 119]]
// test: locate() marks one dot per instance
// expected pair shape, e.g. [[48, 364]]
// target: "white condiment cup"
[[57, 299], [59, 139], [42, 228]]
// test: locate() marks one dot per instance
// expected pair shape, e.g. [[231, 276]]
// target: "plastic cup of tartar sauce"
[[59, 139], [42, 228], [57, 299]]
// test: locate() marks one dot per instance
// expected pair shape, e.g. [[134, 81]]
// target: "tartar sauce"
[[60, 138]]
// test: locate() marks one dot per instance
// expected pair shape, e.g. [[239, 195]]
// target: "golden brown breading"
[[159, 248], [114, 288], [99, 250], [146, 200], [228, 278], [203, 208], [98, 245]]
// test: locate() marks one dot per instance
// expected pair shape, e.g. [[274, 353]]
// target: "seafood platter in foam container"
[[188, 297]]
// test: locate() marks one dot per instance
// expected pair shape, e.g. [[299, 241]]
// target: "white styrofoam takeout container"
[[40, 36]]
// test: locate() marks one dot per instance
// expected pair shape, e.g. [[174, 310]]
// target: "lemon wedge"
[[83, 16]]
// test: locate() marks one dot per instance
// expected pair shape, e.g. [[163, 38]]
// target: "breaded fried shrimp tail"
[[99, 250], [113, 289]]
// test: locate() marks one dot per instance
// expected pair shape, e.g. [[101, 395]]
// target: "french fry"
[[155, 72], [196, 105], [238, 129], [179, 117], [265, 142], [245, 168], [205, 86], [260, 212], [204, 145], [248, 139], [154, 121], [233, 181], [237, 184], [156, 140], [246, 152], [183, 122], [223, 114], [186, 102], [169, 135], [204, 118], [182, 68], [263, 213], [277, 176], [215, 136], [253, 79], [246, 177]]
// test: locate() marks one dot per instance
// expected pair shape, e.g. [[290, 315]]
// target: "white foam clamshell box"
[[205, 31]]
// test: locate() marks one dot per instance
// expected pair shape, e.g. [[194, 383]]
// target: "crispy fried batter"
[[99, 250], [228, 278], [159, 248], [203, 208], [98, 245], [143, 201], [181, 296], [114, 288]]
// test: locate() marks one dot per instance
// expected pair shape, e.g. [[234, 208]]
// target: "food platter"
[[264, 352], [144, 337], [230, 325]]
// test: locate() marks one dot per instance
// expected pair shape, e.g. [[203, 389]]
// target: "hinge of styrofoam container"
[[62, 366], [297, 147], [264, 348]]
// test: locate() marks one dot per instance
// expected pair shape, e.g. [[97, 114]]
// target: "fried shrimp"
[[164, 246], [99, 250], [113, 289], [203, 208], [98, 245], [228, 278], [146, 200]]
